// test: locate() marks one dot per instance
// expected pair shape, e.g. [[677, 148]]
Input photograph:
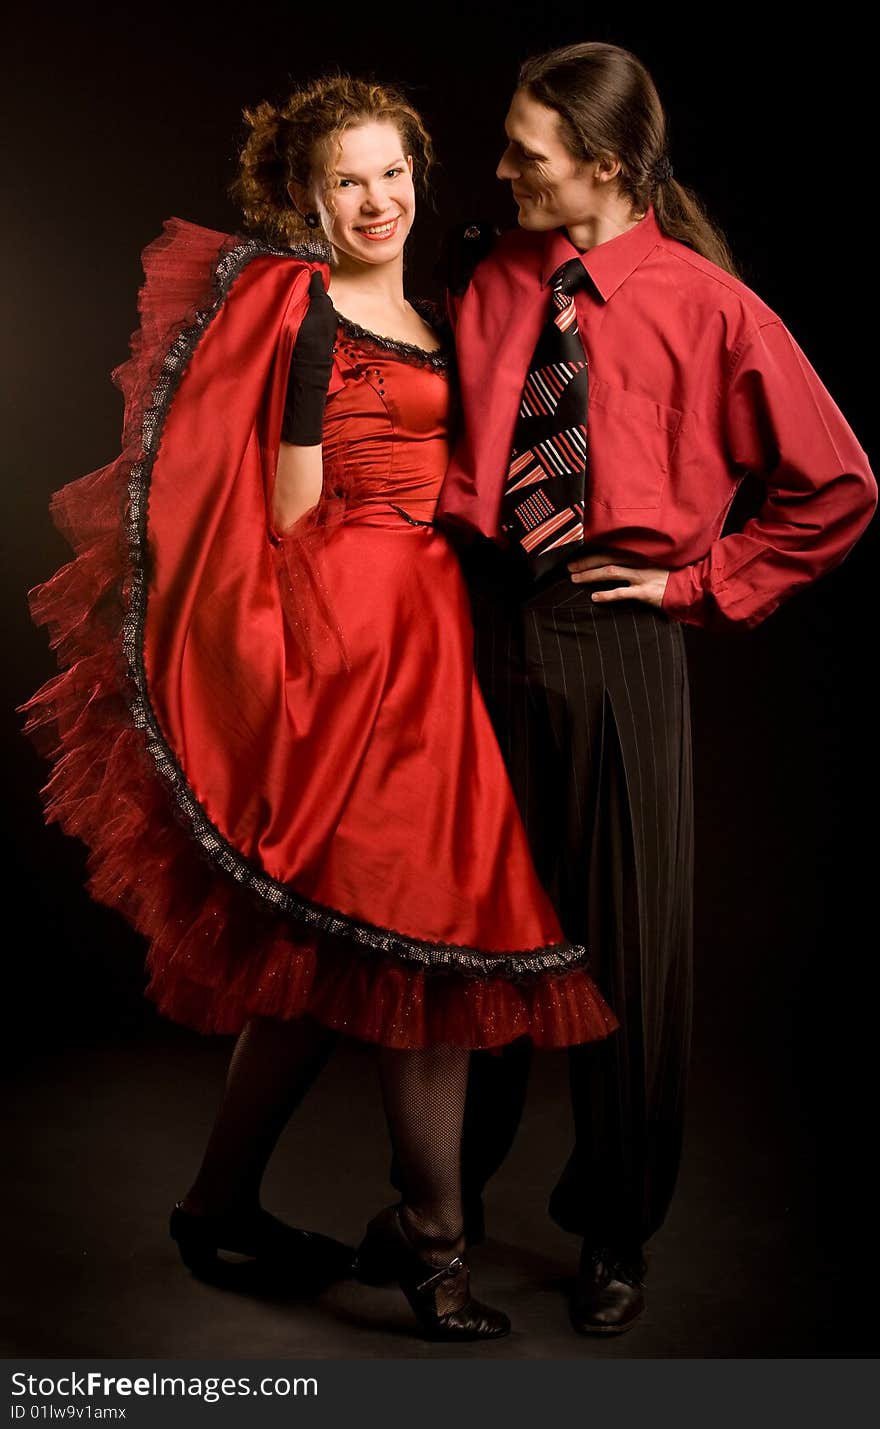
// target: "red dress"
[[275, 748]]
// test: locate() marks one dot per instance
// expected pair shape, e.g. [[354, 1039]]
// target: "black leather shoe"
[[439, 1296], [608, 1295], [373, 1267], [305, 1257]]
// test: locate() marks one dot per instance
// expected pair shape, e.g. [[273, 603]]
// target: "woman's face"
[[365, 198]]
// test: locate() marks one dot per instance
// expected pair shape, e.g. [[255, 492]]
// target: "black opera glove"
[[310, 367], [462, 249]]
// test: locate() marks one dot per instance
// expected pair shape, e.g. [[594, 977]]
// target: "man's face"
[[551, 188]]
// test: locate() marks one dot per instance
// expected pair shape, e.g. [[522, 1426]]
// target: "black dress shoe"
[[439, 1296], [377, 1268], [273, 1248], [608, 1295]]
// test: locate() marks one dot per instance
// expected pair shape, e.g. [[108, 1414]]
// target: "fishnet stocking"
[[424, 1095]]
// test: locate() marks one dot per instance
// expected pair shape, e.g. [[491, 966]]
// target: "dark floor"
[[104, 1140]]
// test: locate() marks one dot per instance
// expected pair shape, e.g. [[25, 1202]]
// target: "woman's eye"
[[392, 173]]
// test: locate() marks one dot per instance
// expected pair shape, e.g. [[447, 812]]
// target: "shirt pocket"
[[631, 440]]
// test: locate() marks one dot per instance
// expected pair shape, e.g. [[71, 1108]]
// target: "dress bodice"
[[386, 430]]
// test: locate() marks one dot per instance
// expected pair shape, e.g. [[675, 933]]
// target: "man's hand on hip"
[[645, 583]]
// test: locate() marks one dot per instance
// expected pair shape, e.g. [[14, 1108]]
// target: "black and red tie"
[[542, 506]]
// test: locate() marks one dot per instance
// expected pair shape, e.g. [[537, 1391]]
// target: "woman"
[[268, 729]]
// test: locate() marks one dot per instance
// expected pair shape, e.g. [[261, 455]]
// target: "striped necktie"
[[542, 506]]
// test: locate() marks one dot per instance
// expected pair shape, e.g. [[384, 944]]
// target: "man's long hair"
[[608, 106]]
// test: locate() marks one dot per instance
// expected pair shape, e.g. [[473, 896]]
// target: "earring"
[[312, 220]]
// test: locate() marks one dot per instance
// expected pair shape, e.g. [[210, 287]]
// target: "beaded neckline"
[[438, 358]]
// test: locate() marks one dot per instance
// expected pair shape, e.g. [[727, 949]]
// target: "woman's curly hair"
[[285, 141]]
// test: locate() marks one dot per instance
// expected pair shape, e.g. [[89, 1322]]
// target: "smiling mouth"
[[377, 231]]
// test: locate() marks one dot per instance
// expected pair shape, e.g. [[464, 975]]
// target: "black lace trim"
[[439, 359], [417, 953]]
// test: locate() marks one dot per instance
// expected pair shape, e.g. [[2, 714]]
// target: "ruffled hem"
[[216, 955]]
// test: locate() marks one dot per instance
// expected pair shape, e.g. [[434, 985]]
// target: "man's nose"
[[506, 167]]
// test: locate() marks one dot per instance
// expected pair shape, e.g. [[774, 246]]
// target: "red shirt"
[[693, 382]]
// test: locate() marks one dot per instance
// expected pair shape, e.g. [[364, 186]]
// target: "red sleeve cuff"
[[683, 597]]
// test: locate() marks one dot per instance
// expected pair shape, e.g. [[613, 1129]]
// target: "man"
[[618, 381]]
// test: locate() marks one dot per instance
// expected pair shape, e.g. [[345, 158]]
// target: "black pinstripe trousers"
[[591, 708]]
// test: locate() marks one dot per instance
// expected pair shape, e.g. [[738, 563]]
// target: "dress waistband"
[[377, 506]]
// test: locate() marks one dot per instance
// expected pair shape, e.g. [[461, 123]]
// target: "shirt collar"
[[610, 263]]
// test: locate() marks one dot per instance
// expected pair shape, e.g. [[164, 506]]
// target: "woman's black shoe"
[[439, 1296], [376, 1269], [309, 1259]]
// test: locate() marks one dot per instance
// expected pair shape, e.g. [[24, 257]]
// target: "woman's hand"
[[310, 367], [463, 247], [645, 583]]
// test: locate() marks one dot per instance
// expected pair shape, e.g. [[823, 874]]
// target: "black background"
[[118, 120]]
